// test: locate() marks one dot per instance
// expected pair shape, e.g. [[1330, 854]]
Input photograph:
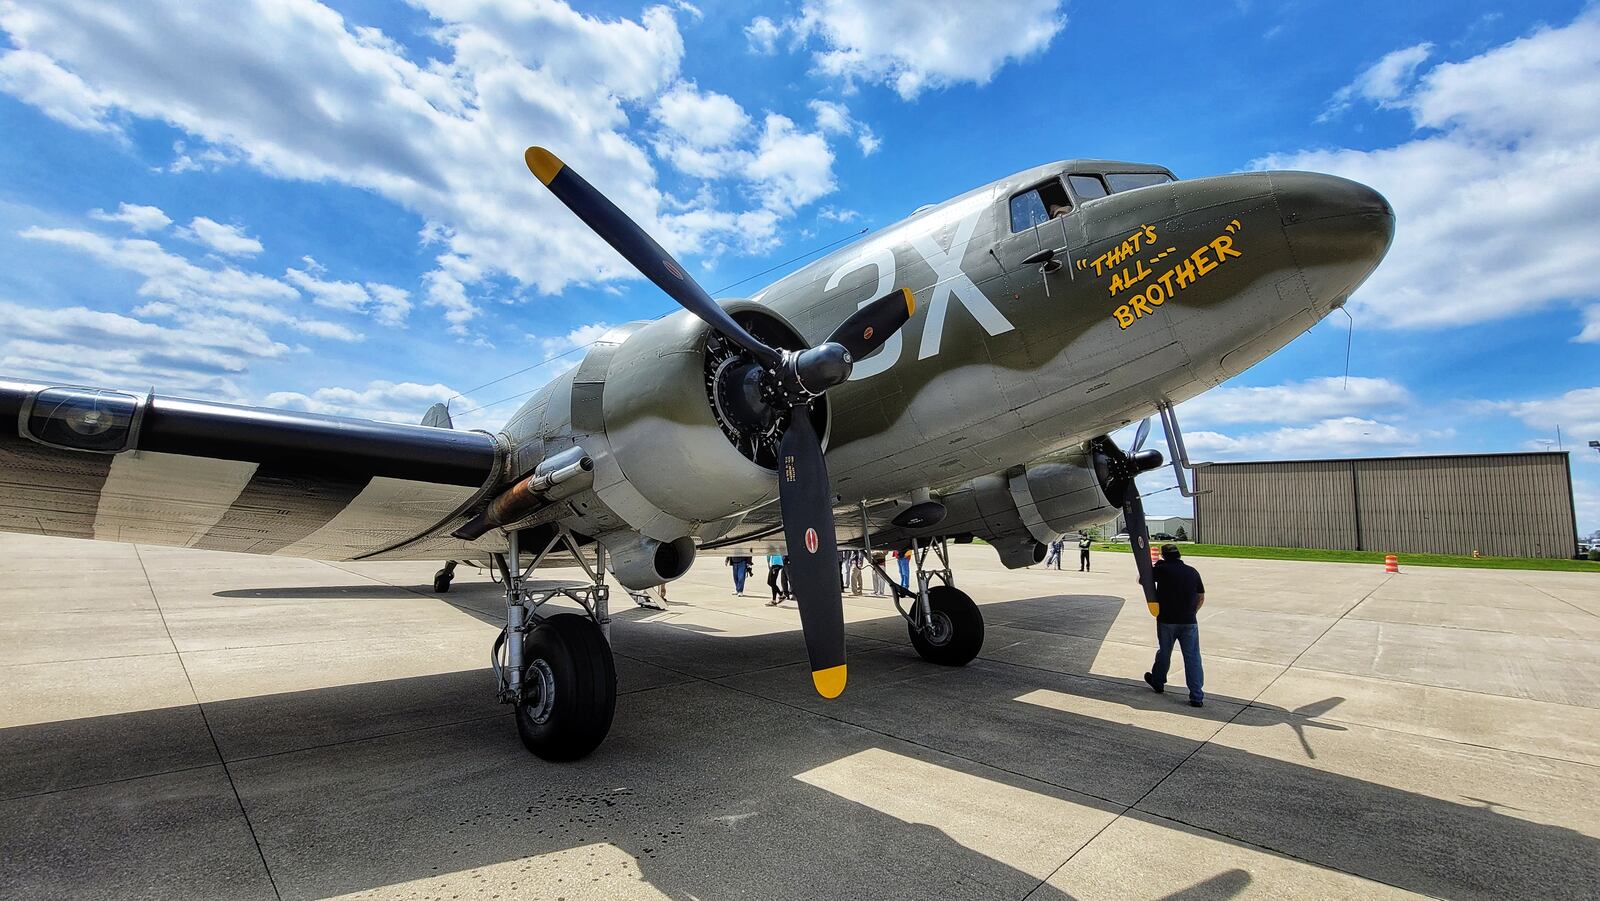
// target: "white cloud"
[[582, 336], [224, 239], [834, 118], [1338, 437], [385, 401], [791, 167], [1382, 83], [34, 78], [916, 45], [194, 295], [762, 34], [295, 91], [701, 119], [1495, 199], [1296, 402], [135, 216], [99, 348], [1577, 413], [386, 303], [1591, 326]]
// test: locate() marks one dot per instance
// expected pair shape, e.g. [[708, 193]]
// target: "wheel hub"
[[939, 629], [539, 687]]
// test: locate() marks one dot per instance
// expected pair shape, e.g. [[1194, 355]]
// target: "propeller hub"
[[817, 369]]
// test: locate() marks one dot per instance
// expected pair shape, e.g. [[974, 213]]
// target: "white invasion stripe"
[[168, 499], [1022, 495], [386, 512]]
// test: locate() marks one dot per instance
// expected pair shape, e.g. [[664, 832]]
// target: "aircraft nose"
[[1339, 229]]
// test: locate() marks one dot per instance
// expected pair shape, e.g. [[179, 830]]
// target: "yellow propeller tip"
[[830, 681], [544, 164], [911, 302]]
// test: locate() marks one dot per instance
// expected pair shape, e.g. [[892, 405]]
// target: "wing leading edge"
[[89, 463]]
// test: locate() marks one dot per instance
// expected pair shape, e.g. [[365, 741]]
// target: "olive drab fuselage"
[[1148, 295]]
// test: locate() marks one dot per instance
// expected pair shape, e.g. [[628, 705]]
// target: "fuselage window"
[[1043, 203], [1128, 181], [1088, 186]]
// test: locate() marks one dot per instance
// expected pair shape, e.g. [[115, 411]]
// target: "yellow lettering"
[[1140, 272], [1185, 272], [1140, 308], [1150, 234], [1098, 262], [1155, 295], [1223, 245], [1117, 284], [1202, 263], [1124, 318], [1166, 281]]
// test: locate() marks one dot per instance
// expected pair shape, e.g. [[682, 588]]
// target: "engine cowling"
[[639, 562], [647, 402], [1061, 495], [1019, 513]]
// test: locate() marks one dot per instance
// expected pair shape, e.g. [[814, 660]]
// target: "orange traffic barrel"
[[1391, 564]]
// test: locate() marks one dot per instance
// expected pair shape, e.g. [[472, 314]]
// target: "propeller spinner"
[[779, 385]]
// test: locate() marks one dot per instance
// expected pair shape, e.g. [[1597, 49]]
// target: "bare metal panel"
[[1516, 505]]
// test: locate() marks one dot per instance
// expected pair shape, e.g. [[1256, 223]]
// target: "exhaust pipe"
[[559, 476]]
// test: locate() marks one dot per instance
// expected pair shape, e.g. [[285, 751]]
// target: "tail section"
[[438, 417]]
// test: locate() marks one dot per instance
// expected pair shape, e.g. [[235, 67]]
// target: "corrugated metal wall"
[[1513, 505]]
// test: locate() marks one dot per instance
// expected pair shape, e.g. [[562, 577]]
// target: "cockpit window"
[[1039, 205], [1088, 186], [1128, 181]]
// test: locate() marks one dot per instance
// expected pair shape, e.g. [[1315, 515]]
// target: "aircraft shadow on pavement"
[[369, 785]]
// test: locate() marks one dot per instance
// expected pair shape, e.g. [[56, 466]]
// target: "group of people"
[[1180, 593], [852, 563], [1058, 547]]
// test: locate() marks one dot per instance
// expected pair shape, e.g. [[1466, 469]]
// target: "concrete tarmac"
[[179, 723]]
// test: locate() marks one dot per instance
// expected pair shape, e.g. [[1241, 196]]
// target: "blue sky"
[[324, 206]]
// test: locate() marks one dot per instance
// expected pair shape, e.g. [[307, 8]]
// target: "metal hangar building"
[[1501, 505]]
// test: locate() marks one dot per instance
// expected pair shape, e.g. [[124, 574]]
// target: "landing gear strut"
[[945, 625], [557, 670]]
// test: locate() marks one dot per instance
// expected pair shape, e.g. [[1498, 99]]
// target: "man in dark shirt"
[[1180, 594]]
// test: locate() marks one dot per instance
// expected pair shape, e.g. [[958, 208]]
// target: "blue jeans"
[[1187, 636], [905, 572], [738, 576]]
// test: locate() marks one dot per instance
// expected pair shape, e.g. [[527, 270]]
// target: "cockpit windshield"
[[1128, 181]]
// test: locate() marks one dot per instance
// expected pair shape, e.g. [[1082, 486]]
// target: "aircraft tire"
[[571, 688], [441, 581], [958, 633]]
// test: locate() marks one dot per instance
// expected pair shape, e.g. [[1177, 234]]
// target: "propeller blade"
[[612, 224], [1139, 436], [813, 565], [867, 329], [1139, 538]]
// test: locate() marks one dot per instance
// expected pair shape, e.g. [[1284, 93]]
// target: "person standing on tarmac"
[[1083, 552], [1180, 594]]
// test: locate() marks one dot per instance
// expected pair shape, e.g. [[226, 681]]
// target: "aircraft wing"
[[118, 466]]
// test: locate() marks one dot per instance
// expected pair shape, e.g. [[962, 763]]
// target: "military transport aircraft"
[[962, 369]]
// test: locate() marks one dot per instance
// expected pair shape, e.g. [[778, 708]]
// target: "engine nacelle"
[[1060, 495], [1020, 513], [668, 461], [639, 562]]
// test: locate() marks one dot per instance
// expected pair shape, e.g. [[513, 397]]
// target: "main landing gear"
[[557, 669], [945, 624]]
